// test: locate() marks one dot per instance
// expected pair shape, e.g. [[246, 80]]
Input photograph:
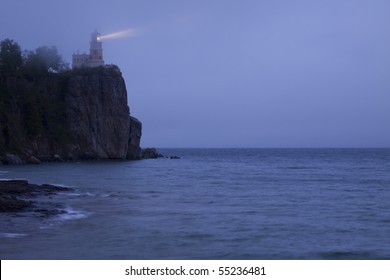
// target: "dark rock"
[[150, 153], [58, 158], [134, 149], [33, 160], [45, 213], [13, 204], [13, 194], [174, 157], [13, 159], [47, 188]]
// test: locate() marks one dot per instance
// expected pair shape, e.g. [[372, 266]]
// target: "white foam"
[[78, 194], [61, 185], [9, 179], [72, 214], [12, 235]]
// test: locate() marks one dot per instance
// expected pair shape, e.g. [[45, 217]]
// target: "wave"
[[76, 194], [72, 214], [12, 235]]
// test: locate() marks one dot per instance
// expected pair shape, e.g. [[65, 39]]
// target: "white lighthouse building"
[[95, 56]]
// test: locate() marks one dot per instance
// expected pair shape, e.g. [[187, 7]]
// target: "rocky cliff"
[[80, 114]]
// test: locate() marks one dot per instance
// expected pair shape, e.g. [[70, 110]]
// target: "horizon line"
[[271, 147]]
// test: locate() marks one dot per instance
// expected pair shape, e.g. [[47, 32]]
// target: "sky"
[[233, 73]]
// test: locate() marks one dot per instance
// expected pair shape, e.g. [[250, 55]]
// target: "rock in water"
[[134, 150], [150, 153], [13, 194]]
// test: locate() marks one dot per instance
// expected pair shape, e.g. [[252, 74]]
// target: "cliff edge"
[[79, 114]]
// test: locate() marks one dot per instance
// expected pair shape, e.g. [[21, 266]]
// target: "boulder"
[[58, 158], [13, 159], [33, 160], [149, 153], [174, 157]]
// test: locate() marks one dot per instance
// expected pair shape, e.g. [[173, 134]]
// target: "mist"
[[233, 73]]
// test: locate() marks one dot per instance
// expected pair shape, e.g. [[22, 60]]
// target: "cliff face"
[[98, 115], [82, 114], [134, 149]]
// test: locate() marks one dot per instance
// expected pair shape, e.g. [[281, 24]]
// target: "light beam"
[[130, 32]]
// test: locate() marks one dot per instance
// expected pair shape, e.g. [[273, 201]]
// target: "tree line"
[[31, 96], [30, 63]]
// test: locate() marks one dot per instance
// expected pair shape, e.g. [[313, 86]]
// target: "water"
[[211, 204]]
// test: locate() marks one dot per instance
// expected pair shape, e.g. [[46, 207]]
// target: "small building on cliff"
[[95, 56]]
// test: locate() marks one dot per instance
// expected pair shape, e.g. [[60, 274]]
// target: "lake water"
[[210, 204]]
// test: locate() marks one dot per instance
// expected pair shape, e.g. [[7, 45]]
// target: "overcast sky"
[[238, 73]]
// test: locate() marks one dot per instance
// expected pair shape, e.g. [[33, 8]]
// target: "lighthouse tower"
[[95, 57], [96, 51]]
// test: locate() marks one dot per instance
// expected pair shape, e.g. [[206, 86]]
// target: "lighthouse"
[[96, 51], [95, 56]]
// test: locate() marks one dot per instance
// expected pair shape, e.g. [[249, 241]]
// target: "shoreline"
[[20, 159]]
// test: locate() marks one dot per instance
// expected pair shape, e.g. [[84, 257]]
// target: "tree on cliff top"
[[26, 113], [10, 57], [33, 63], [45, 59]]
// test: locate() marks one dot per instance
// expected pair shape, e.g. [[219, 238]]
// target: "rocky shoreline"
[[21, 196], [8, 158], [12, 159]]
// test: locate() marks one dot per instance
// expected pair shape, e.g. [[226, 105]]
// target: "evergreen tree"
[[10, 57]]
